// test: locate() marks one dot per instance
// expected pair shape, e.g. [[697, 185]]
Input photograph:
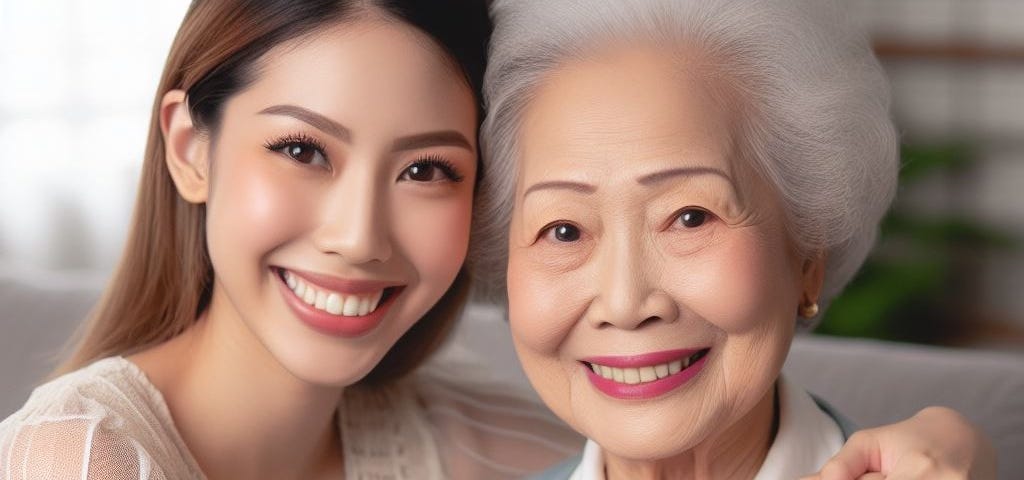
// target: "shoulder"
[[488, 429], [98, 391], [89, 420], [561, 471]]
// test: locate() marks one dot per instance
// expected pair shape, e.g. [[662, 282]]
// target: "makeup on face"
[[644, 376], [339, 212], [337, 306], [651, 284]]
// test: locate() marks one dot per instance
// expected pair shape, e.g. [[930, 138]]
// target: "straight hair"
[[164, 279]]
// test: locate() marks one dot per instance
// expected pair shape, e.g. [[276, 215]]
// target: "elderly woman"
[[688, 183]]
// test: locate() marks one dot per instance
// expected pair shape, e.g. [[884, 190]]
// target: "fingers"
[[873, 476], [860, 454]]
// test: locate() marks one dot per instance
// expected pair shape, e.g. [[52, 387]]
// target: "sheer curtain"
[[77, 80]]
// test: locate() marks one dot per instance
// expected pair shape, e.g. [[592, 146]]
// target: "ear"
[[813, 278], [185, 148]]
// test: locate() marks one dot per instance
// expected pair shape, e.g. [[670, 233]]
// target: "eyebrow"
[[314, 119], [432, 139], [658, 177], [645, 180], [578, 187], [337, 130]]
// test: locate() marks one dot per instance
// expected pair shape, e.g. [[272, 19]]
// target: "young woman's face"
[[642, 247], [340, 195]]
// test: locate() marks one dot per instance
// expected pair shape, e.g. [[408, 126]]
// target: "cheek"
[[251, 209], [747, 290], [540, 302], [743, 285], [434, 235], [541, 319]]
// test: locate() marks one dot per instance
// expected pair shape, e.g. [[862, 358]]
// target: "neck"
[[241, 414], [737, 452]]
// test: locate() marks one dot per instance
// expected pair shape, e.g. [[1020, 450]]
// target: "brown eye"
[[301, 149], [565, 232], [431, 170], [692, 217], [306, 154], [300, 153], [422, 173]]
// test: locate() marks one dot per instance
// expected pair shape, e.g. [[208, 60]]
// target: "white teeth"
[[332, 302], [351, 307], [661, 370], [376, 300], [634, 376]]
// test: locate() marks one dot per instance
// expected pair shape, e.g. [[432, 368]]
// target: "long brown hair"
[[164, 279]]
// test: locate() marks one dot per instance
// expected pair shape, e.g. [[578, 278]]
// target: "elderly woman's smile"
[[642, 243], [684, 182], [644, 375]]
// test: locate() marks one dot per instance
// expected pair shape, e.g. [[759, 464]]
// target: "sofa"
[[871, 382]]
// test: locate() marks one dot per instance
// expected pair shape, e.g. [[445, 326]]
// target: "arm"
[[937, 443]]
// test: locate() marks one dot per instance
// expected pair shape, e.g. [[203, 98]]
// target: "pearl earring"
[[809, 311]]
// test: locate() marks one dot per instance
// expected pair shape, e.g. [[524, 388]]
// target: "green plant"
[[914, 286]]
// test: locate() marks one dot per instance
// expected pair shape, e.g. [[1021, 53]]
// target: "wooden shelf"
[[952, 51]]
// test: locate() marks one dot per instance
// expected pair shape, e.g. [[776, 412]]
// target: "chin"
[[326, 368], [640, 438]]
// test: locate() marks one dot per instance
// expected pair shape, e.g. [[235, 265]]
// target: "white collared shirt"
[[806, 439]]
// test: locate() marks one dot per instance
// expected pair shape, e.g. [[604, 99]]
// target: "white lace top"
[[108, 421]]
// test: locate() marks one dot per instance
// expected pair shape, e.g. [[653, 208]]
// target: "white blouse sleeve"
[[491, 430], [71, 448], [75, 444], [102, 422]]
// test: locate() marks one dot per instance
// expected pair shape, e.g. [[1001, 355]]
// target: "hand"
[[936, 443]]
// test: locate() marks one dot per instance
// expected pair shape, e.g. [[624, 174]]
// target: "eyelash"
[[306, 141], [549, 229], [446, 167], [678, 215], [300, 139]]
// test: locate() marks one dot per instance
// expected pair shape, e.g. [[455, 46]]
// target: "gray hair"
[[816, 120]]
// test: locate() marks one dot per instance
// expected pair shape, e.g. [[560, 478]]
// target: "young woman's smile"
[[340, 197], [337, 306]]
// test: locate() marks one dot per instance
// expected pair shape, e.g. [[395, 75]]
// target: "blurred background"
[[77, 80]]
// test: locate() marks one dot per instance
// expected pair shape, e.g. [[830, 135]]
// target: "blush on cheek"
[[747, 284], [435, 236], [539, 311], [255, 211]]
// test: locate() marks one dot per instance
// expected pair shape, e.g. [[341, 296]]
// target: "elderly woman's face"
[[652, 286]]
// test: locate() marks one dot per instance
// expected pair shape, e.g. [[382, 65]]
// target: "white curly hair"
[[817, 125]]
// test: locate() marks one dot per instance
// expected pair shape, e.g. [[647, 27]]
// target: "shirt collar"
[[806, 439]]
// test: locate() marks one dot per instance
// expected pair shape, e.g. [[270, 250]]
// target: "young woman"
[[298, 246]]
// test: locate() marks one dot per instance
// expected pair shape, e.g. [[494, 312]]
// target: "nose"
[[629, 295], [354, 223]]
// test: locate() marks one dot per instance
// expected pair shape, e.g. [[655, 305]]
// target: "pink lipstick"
[[327, 315], [650, 375]]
